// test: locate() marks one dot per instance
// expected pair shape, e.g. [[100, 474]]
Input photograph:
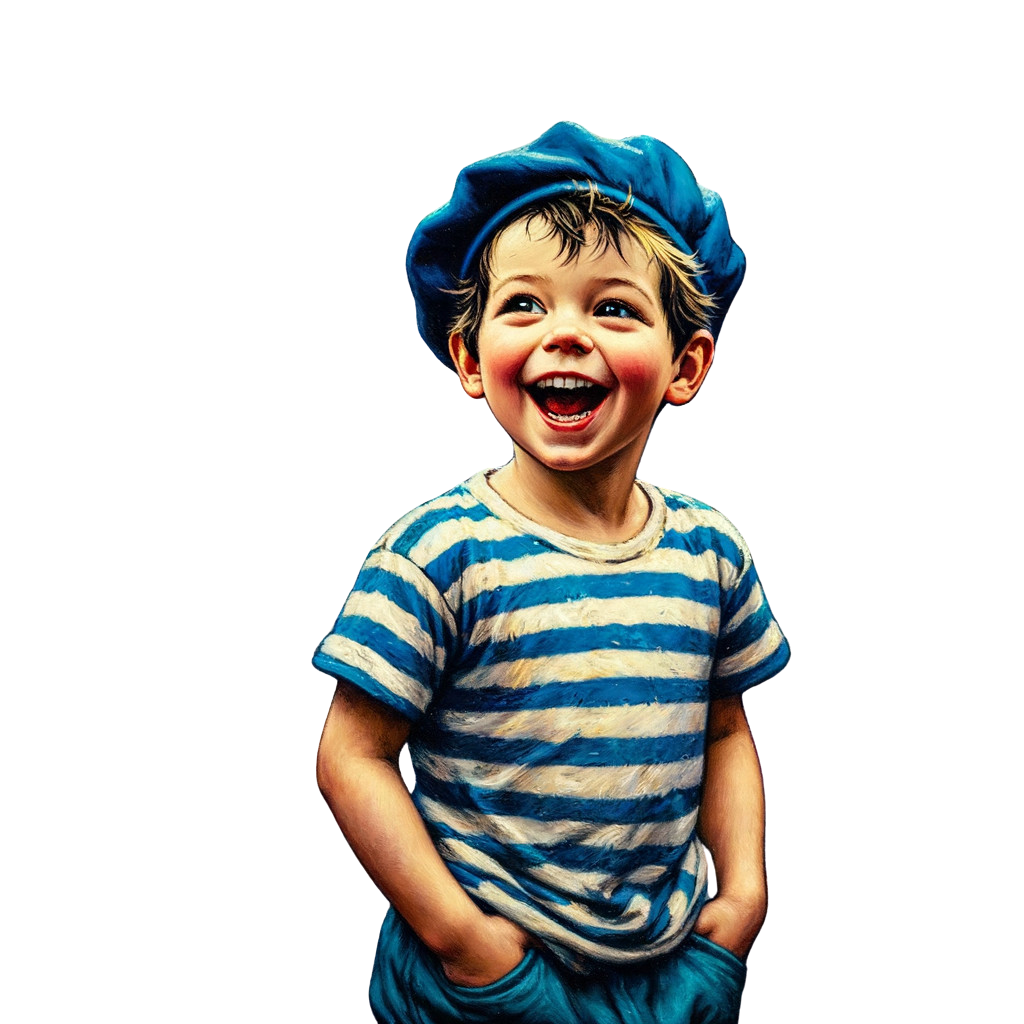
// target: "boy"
[[562, 646]]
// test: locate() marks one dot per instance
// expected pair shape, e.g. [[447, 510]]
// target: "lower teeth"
[[568, 419]]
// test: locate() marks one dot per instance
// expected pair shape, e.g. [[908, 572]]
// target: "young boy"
[[563, 647]]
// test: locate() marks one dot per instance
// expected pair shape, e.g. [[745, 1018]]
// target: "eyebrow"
[[611, 282], [604, 282], [525, 278]]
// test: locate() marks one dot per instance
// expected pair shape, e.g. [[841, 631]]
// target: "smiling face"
[[575, 357]]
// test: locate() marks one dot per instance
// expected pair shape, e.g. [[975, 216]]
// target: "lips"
[[567, 398]]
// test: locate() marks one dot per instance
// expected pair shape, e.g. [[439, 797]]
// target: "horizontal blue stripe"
[[469, 878], [404, 596], [532, 892], [578, 587], [639, 810], [449, 564], [729, 686], [575, 857], [416, 531], [733, 600], [579, 751], [622, 691], [366, 683], [393, 649], [647, 636], [749, 631], [684, 501], [703, 540], [611, 937]]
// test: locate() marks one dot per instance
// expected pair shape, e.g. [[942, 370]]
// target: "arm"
[[731, 825], [357, 771]]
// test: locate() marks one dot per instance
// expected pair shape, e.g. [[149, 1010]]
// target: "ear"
[[467, 365], [693, 365]]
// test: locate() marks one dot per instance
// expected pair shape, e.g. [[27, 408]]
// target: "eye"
[[617, 309], [521, 304]]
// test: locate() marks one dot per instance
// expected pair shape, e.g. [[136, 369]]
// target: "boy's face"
[[575, 359]]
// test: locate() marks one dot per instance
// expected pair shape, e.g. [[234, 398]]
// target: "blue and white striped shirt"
[[559, 692]]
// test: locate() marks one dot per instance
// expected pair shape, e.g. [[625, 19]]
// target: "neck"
[[601, 503]]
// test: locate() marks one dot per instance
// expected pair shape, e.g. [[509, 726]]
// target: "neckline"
[[619, 551]]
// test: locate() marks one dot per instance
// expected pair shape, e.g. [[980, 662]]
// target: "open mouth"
[[567, 399]]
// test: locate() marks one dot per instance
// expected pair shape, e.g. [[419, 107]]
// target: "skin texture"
[[357, 770], [598, 317], [731, 826]]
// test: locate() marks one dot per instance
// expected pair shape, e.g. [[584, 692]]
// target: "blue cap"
[[489, 193]]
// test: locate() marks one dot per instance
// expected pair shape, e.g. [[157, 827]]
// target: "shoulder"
[[454, 525], [403, 536], [685, 514], [704, 532]]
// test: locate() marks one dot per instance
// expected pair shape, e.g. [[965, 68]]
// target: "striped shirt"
[[559, 692]]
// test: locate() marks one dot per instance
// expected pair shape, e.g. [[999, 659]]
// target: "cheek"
[[636, 371], [501, 366]]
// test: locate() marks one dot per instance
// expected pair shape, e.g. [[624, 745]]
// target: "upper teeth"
[[565, 382]]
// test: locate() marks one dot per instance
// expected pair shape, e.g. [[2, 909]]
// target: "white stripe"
[[381, 609], [728, 574], [762, 648], [437, 540], [400, 566], [348, 652], [546, 927], [556, 725], [596, 611], [647, 875], [632, 918], [484, 576], [395, 531], [683, 520], [581, 782], [653, 833], [750, 606], [584, 666]]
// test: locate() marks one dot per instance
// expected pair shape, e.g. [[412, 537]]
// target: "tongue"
[[567, 403]]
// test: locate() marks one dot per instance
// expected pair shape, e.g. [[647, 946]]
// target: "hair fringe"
[[568, 219]]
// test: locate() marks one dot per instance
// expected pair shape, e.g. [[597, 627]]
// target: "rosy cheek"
[[505, 370], [635, 370]]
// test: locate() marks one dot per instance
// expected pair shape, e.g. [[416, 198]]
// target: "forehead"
[[529, 246]]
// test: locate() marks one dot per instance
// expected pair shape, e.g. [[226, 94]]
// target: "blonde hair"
[[585, 217]]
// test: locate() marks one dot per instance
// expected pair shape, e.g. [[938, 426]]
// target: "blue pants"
[[699, 983]]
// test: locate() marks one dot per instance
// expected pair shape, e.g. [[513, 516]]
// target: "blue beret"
[[489, 193]]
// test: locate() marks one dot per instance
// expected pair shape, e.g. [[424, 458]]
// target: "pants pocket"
[[409, 986], [514, 997], [722, 974], [505, 984]]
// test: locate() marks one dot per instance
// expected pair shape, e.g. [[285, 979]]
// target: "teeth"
[[568, 419], [569, 383]]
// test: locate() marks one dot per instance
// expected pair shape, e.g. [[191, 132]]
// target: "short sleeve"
[[751, 647], [392, 637]]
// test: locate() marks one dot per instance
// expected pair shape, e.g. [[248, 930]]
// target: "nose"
[[568, 340]]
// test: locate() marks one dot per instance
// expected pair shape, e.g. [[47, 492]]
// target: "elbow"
[[328, 770]]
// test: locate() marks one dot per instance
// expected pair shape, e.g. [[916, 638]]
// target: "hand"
[[496, 947], [732, 922]]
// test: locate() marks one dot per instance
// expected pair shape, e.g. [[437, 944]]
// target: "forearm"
[[372, 806], [731, 821], [357, 770], [732, 813]]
